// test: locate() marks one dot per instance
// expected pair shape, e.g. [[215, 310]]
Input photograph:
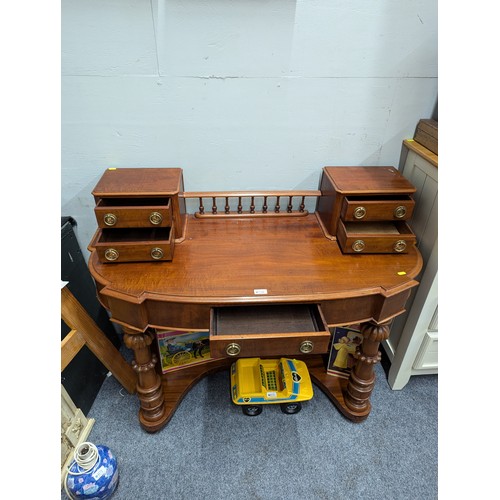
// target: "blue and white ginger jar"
[[97, 483]]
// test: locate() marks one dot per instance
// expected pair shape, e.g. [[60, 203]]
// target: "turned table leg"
[[362, 378], [149, 385]]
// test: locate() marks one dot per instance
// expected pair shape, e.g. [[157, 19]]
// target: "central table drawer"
[[268, 330], [133, 212]]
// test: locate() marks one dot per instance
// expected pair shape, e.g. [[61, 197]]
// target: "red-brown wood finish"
[[375, 240], [152, 414], [362, 378], [372, 184], [129, 212], [381, 209], [248, 262], [141, 197], [134, 245]]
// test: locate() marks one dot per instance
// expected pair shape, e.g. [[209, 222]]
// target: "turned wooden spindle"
[[227, 208], [264, 206], [302, 204], [240, 208], [277, 206], [362, 377], [201, 208], [289, 208], [252, 205], [149, 386]]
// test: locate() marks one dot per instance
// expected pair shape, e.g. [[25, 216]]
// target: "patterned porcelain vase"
[[97, 482]]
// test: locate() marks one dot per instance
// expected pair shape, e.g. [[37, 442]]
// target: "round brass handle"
[[110, 219], [359, 212], [156, 253], [111, 254], [400, 246], [358, 246], [233, 349], [400, 212], [155, 218], [306, 347]]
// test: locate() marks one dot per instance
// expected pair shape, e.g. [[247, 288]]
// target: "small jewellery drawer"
[[375, 237], [134, 245], [268, 330], [133, 212], [359, 208]]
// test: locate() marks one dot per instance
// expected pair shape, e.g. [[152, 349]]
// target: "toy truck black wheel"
[[290, 408], [252, 410]]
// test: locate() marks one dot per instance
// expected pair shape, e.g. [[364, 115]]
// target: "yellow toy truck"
[[256, 382]]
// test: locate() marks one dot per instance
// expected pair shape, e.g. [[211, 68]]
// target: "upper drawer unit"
[[139, 214], [365, 209], [380, 208], [247, 331], [133, 212]]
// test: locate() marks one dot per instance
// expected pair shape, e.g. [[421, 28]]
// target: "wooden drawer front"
[[258, 331], [357, 208], [134, 245], [375, 237], [133, 212]]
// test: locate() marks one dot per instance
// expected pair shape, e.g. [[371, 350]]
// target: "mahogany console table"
[[248, 259]]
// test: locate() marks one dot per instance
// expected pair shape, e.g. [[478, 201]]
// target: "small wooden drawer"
[[133, 212], [380, 208], [134, 245], [375, 237], [255, 331]]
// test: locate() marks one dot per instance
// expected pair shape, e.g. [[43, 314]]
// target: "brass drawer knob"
[[359, 212], [110, 219], [111, 254], [233, 349], [155, 218], [156, 253], [400, 212], [306, 347], [400, 246], [358, 246]]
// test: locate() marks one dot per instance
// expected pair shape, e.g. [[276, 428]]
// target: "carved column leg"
[[362, 378], [149, 387]]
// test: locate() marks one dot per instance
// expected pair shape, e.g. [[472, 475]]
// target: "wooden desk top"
[[224, 260]]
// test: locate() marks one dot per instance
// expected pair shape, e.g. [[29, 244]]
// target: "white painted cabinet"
[[412, 346]]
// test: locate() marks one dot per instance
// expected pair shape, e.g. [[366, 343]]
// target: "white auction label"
[[260, 291]]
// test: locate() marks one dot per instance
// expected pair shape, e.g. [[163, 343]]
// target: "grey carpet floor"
[[210, 450]]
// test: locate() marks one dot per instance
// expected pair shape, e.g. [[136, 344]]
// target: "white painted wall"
[[242, 94]]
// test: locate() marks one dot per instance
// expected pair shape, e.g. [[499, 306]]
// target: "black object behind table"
[[84, 376]]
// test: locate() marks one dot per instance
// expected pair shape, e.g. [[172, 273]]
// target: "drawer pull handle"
[[233, 349], [111, 254], [400, 212], [358, 246], [359, 212], [306, 347], [156, 253], [110, 219], [400, 246], [155, 218]]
